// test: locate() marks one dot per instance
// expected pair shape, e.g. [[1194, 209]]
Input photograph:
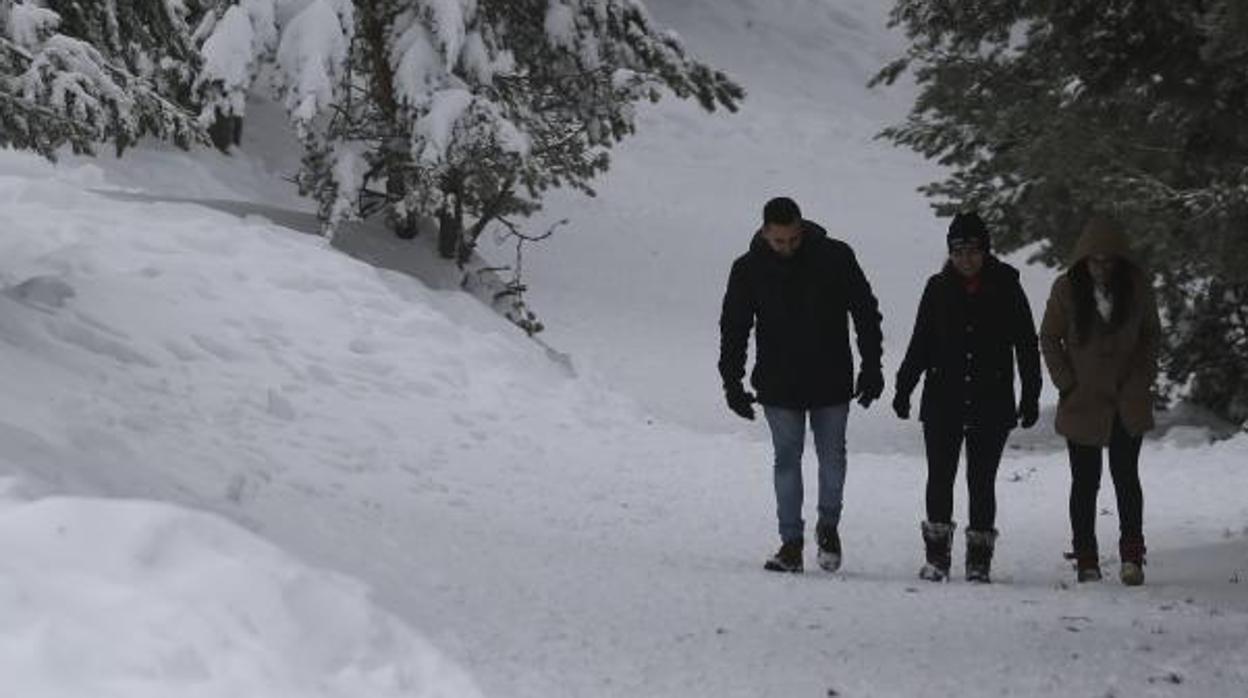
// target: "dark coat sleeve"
[[865, 311], [919, 352], [736, 319], [1026, 345]]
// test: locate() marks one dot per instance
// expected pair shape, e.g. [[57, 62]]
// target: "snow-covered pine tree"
[[461, 110], [85, 73], [1047, 111], [300, 48], [543, 89]]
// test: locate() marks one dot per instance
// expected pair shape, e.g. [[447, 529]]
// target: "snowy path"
[[675, 602], [539, 528]]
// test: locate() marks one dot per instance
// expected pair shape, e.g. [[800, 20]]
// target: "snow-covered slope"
[[133, 599]]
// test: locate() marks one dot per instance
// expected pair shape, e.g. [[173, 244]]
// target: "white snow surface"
[[29, 23], [273, 470], [201, 608]]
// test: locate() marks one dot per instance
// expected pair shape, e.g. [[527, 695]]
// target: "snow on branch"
[[56, 89]]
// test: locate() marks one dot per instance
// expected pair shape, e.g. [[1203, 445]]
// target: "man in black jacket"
[[797, 288]]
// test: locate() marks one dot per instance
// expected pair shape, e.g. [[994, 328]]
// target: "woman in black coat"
[[973, 320]]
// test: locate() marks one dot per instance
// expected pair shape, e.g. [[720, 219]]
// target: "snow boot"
[[829, 542], [1087, 564], [787, 559], [937, 540], [979, 547], [1131, 551]]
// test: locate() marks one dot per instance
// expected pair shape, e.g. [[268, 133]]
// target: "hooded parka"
[[802, 305], [1111, 370]]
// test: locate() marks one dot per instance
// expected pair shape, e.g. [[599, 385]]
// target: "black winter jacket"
[[965, 345], [802, 307]]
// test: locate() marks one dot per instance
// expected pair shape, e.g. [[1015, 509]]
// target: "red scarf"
[[972, 284]]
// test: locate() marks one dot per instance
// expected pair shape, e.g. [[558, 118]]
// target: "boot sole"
[[776, 567]]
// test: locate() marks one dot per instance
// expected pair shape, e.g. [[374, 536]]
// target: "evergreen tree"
[[562, 96], [84, 73], [299, 48], [463, 110], [1046, 111]]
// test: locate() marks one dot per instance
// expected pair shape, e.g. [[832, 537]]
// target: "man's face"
[[783, 239], [967, 259]]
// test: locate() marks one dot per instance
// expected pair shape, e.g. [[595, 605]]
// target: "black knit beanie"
[[967, 229]]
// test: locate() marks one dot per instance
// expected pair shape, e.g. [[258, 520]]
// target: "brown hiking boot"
[[1131, 550], [1087, 565]]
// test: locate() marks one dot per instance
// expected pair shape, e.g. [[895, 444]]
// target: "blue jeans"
[[788, 435]]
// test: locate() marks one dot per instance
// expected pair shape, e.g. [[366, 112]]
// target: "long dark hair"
[[1121, 291]]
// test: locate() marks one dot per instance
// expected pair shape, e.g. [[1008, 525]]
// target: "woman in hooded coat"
[[1099, 338]]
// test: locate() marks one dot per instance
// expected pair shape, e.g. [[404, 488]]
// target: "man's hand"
[[1028, 414], [901, 405], [739, 401], [870, 386]]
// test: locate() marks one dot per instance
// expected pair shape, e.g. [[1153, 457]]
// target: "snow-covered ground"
[[551, 533], [135, 599]]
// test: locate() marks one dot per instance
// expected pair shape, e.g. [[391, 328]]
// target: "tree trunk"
[[450, 232], [374, 23], [226, 131], [403, 225], [374, 26]]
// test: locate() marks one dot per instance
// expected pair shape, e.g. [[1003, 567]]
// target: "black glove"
[[740, 401], [901, 405], [870, 386], [1028, 414]]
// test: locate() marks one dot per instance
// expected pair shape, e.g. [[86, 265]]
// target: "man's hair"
[[781, 211]]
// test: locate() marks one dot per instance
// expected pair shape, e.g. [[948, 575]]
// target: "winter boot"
[[1087, 564], [829, 542], [979, 547], [937, 539], [787, 559], [1131, 551]]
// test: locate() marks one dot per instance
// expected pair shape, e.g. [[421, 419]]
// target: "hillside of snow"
[[277, 470]]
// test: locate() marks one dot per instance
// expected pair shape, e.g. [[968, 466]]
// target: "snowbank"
[[131, 599]]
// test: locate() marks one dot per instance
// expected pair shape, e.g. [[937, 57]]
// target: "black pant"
[[983, 456], [1085, 471]]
